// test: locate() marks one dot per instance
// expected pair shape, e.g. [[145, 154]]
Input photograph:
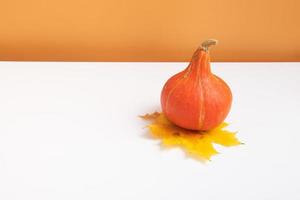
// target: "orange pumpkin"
[[195, 98]]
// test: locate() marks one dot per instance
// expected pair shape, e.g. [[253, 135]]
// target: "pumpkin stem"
[[207, 43]]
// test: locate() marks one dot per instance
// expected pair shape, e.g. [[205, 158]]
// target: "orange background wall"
[[153, 30]]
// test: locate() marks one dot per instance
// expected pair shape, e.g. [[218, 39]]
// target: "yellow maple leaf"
[[198, 144]]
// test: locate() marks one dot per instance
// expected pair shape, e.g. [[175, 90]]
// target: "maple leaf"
[[198, 144], [152, 116]]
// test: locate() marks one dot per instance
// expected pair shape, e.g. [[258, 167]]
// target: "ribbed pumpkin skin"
[[195, 98]]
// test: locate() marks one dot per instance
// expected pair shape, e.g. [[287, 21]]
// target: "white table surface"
[[71, 131]]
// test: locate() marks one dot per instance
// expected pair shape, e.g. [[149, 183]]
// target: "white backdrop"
[[71, 131]]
